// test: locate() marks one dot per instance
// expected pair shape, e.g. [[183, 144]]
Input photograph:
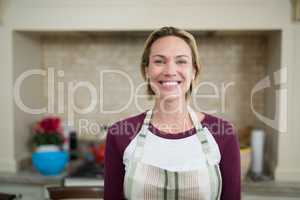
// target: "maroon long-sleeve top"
[[121, 133]]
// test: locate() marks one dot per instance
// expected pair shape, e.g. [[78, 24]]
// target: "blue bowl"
[[50, 163]]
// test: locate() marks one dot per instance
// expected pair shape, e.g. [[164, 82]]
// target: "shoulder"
[[120, 133], [222, 130], [127, 126], [218, 125]]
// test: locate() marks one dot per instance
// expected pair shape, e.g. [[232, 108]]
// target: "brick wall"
[[234, 62]]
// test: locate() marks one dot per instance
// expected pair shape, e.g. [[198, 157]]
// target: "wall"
[[1, 11], [232, 64], [27, 55], [271, 109], [141, 15], [7, 159], [288, 143]]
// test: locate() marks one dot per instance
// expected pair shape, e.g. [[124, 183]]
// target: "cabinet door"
[[27, 192]]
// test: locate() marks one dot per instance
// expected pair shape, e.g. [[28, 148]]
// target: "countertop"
[[30, 176]]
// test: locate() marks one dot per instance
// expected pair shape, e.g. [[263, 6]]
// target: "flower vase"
[[49, 160], [47, 148]]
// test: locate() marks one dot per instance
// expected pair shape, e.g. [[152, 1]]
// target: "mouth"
[[169, 83]]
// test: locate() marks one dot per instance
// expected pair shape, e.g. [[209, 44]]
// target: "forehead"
[[170, 45]]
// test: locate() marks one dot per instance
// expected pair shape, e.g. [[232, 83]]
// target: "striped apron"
[[143, 181]]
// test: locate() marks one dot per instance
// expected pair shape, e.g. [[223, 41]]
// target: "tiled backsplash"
[[237, 62]]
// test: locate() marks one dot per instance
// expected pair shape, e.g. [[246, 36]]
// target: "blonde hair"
[[171, 31]]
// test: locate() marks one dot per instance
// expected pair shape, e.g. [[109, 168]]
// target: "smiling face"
[[170, 69]]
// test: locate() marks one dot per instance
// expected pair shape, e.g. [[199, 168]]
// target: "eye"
[[181, 62], [158, 61]]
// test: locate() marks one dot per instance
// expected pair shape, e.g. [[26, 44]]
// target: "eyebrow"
[[159, 55]]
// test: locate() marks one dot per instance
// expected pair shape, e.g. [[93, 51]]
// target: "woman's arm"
[[114, 169], [230, 168]]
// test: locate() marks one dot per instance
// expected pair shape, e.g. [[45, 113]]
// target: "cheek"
[[188, 74], [153, 72]]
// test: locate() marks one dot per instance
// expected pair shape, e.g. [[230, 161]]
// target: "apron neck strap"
[[200, 131], [146, 123], [147, 118], [194, 118]]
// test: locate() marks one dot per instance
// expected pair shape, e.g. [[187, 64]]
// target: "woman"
[[170, 151]]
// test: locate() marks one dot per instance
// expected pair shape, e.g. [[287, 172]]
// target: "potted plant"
[[48, 157], [48, 134]]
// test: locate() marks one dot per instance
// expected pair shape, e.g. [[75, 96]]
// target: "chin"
[[170, 96]]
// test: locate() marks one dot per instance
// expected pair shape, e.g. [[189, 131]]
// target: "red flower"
[[50, 124], [48, 131]]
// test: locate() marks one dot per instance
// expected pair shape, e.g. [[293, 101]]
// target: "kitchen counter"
[[28, 184], [271, 188], [33, 178], [30, 176], [31, 185]]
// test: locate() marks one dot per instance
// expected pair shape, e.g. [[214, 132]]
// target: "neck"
[[171, 112]]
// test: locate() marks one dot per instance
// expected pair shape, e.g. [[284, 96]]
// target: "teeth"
[[170, 83]]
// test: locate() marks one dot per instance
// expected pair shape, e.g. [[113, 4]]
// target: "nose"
[[170, 68]]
